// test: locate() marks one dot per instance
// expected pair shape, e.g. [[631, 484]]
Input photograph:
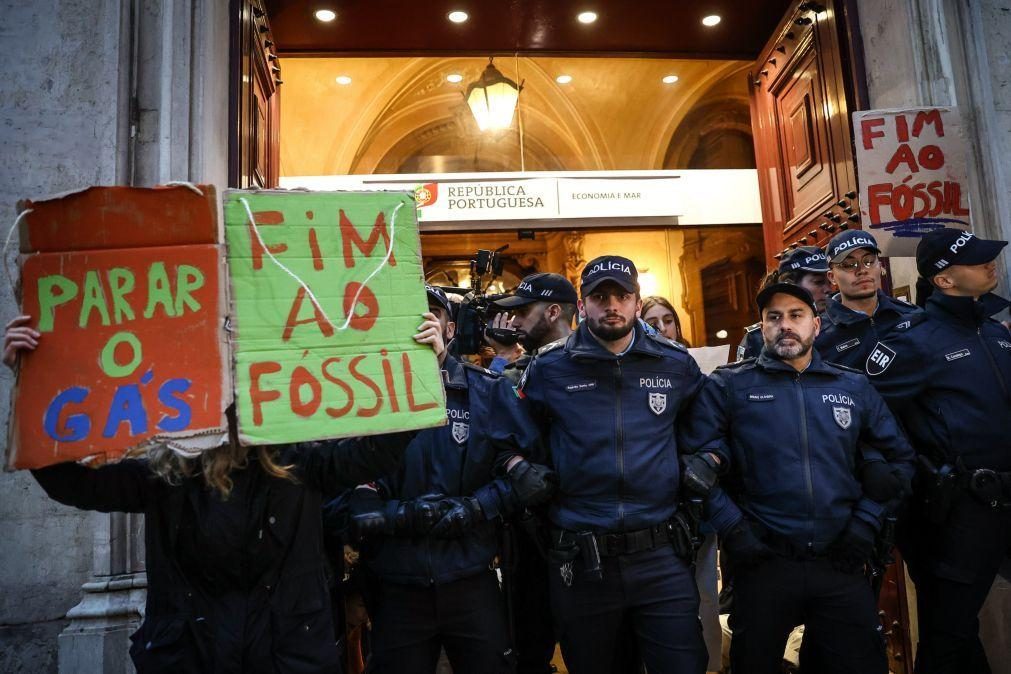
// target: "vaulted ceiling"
[[402, 115]]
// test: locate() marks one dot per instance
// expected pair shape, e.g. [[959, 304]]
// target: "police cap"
[[847, 241], [437, 297], [543, 287], [805, 258], [943, 248], [769, 291], [615, 268]]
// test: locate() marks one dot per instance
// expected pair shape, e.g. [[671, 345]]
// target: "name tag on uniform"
[[582, 386], [761, 397], [955, 355], [847, 344]]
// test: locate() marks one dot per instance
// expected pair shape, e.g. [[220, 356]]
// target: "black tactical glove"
[[460, 514], [853, 548], [417, 517], [881, 482], [743, 544], [368, 516], [700, 472], [532, 483]]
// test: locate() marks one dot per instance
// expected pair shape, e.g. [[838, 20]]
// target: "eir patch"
[[879, 360]]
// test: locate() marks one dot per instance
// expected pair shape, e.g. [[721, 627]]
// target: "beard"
[[609, 333], [796, 349], [536, 336]]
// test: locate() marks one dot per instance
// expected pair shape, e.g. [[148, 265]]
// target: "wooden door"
[[801, 97], [728, 297], [254, 118]]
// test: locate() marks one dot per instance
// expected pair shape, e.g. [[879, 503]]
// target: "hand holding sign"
[[430, 332], [19, 337]]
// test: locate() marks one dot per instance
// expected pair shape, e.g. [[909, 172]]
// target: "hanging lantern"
[[492, 99]]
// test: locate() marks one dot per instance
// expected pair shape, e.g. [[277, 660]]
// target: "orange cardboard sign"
[[132, 349]]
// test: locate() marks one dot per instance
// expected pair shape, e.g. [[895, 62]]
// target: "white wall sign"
[[912, 174], [537, 198]]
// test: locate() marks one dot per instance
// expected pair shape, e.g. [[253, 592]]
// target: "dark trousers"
[[652, 592], [953, 567], [466, 617], [842, 634], [532, 627]]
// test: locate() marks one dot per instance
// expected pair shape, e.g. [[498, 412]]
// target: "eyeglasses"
[[867, 262]]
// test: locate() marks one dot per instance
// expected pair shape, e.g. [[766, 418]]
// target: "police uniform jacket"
[[947, 377], [848, 337], [609, 424], [235, 585], [751, 343], [452, 460], [789, 442]]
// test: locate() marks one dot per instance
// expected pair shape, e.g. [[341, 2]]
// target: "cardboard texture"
[[913, 174], [132, 350], [323, 326]]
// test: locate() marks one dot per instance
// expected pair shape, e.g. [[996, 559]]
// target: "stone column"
[[97, 639]]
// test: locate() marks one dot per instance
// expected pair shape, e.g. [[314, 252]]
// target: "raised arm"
[[126, 486], [335, 465]]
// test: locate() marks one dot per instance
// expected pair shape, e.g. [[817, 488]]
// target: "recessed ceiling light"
[[563, 79], [326, 15], [454, 78], [343, 80], [670, 79], [457, 16], [587, 17], [711, 20]]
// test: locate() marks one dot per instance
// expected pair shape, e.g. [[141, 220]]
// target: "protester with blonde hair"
[[233, 537]]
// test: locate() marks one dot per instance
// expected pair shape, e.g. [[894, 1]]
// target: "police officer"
[[430, 531], [607, 400], [806, 266], [861, 314], [783, 431], [946, 374], [541, 310]]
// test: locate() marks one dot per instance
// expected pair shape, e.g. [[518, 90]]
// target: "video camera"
[[476, 308]]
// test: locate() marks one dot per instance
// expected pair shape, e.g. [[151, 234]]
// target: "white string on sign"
[[308, 291], [183, 183], [7, 242]]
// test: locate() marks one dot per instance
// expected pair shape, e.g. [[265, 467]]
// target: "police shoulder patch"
[[666, 342], [737, 363], [482, 370], [844, 368], [550, 346], [909, 321]]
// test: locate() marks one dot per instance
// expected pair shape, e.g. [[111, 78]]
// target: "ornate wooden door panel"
[[254, 151], [800, 119]]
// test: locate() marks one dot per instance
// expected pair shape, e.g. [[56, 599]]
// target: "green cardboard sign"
[[327, 291]]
